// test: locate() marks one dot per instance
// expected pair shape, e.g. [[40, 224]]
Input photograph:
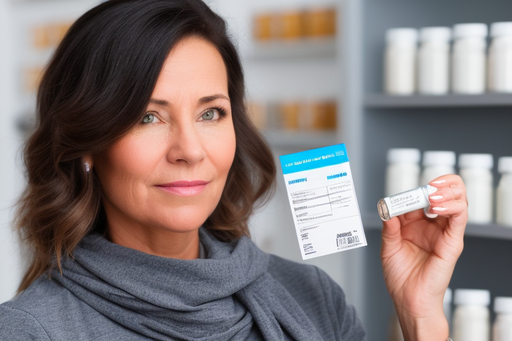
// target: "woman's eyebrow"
[[160, 102], [202, 100], [211, 98]]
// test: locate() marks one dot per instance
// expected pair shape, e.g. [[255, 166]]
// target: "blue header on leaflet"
[[315, 158]]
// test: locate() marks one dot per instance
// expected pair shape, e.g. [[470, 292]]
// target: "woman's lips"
[[185, 188]]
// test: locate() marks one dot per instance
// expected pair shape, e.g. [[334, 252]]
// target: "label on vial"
[[407, 201], [323, 201]]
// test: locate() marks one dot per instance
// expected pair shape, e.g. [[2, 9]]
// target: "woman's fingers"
[[450, 182], [391, 237], [447, 194]]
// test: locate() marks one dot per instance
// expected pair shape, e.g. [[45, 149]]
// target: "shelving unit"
[[377, 122], [372, 222], [379, 101], [294, 49], [299, 139]]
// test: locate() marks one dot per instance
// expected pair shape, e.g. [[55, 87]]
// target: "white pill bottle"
[[403, 170], [437, 163], [502, 328], [434, 60], [469, 58], [500, 57], [504, 192], [471, 319], [476, 172], [400, 61]]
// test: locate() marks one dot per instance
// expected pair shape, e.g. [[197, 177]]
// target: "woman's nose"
[[186, 146]]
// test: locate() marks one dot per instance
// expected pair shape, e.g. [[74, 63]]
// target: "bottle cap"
[[442, 34], [474, 30], [402, 35], [499, 29], [472, 297], [505, 164], [484, 161], [438, 158], [503, 305], [410, 155]]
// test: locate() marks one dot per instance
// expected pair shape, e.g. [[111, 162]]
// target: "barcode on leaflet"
[[345, 242]]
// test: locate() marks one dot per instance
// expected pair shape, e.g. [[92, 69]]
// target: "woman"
[[142, 173]]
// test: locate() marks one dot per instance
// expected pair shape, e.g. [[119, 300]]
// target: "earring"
[[87, 167]]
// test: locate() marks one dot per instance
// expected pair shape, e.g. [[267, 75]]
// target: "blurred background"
[[315, 73]]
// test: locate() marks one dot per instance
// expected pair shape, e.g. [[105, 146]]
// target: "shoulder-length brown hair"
[[94, 90]]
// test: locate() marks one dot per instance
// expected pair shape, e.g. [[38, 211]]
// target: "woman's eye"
[[209, 114], [149, 118]]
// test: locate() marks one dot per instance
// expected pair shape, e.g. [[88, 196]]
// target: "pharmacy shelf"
[[299, 139], [493, 231], [380, 101], [371, 221], [294, 49]]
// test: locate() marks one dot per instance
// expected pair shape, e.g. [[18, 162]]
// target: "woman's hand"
[[418, 258]]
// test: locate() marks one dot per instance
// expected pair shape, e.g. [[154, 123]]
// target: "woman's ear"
[[87, 162]]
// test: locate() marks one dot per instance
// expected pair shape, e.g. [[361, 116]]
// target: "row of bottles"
[[404, 173], [293, 24], [434, 67], [319, 115], [43, 39], [471, 319]]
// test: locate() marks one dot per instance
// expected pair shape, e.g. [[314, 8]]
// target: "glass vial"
[[502, 328], [504, 192], [471, 319], [400, 61], [403, 170], [469, 58], [437, 163], [500, 57], [476, 171], [405, 202], [434, 60]]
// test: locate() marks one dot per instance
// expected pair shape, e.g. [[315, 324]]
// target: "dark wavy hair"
[[94, 90]]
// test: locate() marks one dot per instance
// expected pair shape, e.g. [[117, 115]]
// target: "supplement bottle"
[[500, 57], [434, 60], [469, 58], [437, 163], [504, 192], [475, 170], [400, 61], [447, 306], [502, 328], [471, 319], [403, 171]]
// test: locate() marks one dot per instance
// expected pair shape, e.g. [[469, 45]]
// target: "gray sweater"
[[70, 308]]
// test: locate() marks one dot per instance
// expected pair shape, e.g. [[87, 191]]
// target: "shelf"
[[306, 48], [371, 221], [433, 101], [299, 139]]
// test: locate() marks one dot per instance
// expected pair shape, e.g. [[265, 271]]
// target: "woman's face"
[[168, 173]]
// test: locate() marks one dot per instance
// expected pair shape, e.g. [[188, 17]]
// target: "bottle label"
[[408, 201], [323, 201]]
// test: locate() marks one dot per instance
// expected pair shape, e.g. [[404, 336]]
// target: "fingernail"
[[438, 182], [436, 197], [439, 209]]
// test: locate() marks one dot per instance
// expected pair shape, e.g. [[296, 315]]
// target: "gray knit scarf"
[[228, 296]]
